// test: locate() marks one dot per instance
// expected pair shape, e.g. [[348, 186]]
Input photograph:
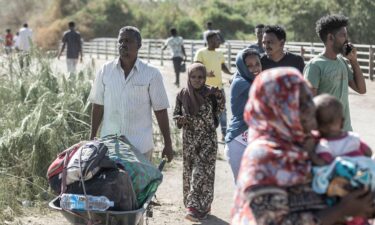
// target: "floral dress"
[[199, 154], [273, 185]]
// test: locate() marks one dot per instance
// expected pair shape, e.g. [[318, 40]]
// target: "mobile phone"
[[348, 48]]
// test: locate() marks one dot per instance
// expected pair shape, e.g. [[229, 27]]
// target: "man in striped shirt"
[[125, 92]]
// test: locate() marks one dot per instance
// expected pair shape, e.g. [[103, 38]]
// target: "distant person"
[[8, 45], [25, 38], [207, 31], [259, 31], [248, 67], [329, 72], [176, 44], [16, 41], [24, 45], [214, 63], [195, 106], [274, 39], [72, 39]]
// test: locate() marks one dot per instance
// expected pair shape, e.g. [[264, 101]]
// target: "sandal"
[[192, 217]]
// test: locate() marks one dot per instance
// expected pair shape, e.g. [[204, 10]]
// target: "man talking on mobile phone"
[[329, 72]]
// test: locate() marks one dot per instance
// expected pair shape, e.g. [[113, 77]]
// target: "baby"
[[333, 142]]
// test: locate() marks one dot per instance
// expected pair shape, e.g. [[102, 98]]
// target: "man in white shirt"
[[176, 44], [24, 42], [25, 38], [125, 92]]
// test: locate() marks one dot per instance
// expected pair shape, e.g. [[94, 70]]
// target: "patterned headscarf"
[[274, 155], [192, 99]]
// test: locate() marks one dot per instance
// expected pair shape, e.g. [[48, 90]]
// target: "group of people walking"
[[272, 136], [20, 42]]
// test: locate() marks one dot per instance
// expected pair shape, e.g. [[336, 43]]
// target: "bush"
[[42, 114]]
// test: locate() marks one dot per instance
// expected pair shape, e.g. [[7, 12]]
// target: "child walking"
[[197, 110]]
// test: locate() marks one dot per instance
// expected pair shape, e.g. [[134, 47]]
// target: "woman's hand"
[[358, 203], [181, 121], [218, 93]]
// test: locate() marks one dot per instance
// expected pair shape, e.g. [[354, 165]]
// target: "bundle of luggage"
[[109, 167]]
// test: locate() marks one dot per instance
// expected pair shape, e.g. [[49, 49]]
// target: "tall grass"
[[43, 111]]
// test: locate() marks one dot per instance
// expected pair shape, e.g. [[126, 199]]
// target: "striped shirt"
[[128, 103], [348, 144]]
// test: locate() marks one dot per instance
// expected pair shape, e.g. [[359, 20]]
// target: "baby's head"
[[329, 115]]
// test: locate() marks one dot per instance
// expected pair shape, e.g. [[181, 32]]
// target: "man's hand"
[[167, 152], [162, 118], [352, 56], [211, 74]]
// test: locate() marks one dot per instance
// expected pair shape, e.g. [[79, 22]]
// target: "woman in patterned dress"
[[273, 185], [197, 109]]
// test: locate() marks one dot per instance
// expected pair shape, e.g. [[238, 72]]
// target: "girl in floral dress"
[[197, 109]]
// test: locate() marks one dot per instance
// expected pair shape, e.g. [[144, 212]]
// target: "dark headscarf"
[[239, 92], [242, 69], [192, 99]]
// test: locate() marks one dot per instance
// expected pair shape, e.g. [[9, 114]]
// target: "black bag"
[[115, 184], [183, 67], [91, 158], [214, 110]]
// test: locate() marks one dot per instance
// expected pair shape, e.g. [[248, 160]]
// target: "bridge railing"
[[152, 50]]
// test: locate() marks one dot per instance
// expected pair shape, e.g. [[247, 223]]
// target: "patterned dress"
[[199, 155], [273, 183]]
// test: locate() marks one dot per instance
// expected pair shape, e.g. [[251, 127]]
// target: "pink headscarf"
[[274, 155]]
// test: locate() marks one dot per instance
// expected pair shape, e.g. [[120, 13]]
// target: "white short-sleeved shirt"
[[175, 43], [24, 39], [128, 103]]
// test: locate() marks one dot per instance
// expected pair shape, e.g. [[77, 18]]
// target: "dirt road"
[[169, 193]]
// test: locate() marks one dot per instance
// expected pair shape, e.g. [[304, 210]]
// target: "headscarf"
[[242, 69], [192, 99], [239, 91], [274, 155]]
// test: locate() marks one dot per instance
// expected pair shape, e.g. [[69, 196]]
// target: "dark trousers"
[[177, 68], [24, 59]]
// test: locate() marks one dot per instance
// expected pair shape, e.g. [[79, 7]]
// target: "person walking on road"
[[8, 45], [24, 43], [214, 63], [125, 92], [259, 31], [248, 67], [72, 39], [176, 44], [329, 72], [274, 39], [196, 107]]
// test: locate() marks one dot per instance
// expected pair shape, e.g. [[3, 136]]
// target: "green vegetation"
[[42, 113], [236, 19]]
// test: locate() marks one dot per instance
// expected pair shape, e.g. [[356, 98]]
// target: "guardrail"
[[152, 50]]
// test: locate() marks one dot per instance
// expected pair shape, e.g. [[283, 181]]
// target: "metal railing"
[[152, 50]]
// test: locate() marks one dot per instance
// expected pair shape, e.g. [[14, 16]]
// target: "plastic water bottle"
[[84, 203]]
